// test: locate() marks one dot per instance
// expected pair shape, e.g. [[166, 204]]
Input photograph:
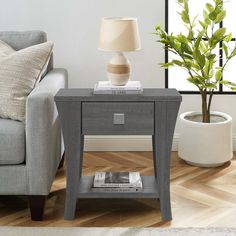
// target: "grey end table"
[[153, 113]]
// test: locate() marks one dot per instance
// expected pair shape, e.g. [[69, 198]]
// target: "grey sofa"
[[30, 153]]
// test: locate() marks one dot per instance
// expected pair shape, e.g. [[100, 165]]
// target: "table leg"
[[70, 117], [73, 174], [81, 155], [154, 155], [165, 119]]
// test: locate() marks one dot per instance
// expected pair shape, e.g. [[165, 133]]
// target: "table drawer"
[[118, 118]]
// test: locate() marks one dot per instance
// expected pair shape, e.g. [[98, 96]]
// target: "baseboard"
[[128, 143], [122, 143]]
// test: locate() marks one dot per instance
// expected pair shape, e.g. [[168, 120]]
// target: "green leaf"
[[209, 7], [188, 56], [185, 48], [158, 27], [219, 34], [226, 50], [194, 19], [190, 35], [184, 16], [203, 47], [195, 66], [188, 64], [218, 75], [166, 65], [228, 84], [171, 50], [202, 61], [186, 8], [228, 38], [206, 68], [199, 38], [203, 24], [219, 6], [177, 45], [210, 86], [206, 17], [233, 53], [194, 80], [205, 14], [212, 16], [220, 17], [199, 57], [177, 62], [162, 41], [211, 57], [181, 38]]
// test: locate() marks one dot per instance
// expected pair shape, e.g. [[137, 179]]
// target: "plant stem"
[[205, 111], [210, 100]]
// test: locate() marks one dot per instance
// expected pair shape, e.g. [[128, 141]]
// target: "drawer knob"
[[118, 118]]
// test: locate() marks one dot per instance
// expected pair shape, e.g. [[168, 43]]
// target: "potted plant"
[[206, 136]]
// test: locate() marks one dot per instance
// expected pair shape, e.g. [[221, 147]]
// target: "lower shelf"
[[149, 189]]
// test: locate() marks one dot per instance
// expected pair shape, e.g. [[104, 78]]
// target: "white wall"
[[74, 27]]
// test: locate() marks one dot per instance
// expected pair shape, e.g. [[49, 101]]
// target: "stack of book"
[[105, 87], [117, 182]]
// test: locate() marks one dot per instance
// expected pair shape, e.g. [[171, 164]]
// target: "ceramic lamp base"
[[118, 70]]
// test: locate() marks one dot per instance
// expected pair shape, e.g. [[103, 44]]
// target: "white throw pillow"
[[20, 71]]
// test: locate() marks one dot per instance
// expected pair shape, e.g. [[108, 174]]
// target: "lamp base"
[[118, 70]]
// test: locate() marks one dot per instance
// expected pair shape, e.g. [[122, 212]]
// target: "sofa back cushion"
[[23, 39]]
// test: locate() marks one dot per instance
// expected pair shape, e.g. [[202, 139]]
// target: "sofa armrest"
[[43, 132]]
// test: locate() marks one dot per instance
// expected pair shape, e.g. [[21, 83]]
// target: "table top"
[[150, 94]]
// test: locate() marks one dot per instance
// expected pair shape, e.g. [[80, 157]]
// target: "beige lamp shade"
[[119, 34]]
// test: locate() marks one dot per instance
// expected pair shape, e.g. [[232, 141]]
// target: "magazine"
[[105, 87], [117, 180], [116, 190]]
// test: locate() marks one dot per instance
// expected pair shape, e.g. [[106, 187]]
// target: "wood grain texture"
[[148, 95], [97, 118], [70, 116], [165, 118], [200, 197], [150, 190]]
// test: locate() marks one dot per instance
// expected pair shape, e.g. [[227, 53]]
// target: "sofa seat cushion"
[[12, 142]]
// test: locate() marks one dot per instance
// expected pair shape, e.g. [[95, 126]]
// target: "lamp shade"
[[119, 34]]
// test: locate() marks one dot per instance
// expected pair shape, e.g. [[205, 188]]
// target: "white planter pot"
[[205, 144]]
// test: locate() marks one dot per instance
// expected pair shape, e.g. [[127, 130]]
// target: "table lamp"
[[119, 34]]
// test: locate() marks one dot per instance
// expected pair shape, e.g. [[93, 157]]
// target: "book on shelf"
[[116, 190], [105, 87], [117, 180]]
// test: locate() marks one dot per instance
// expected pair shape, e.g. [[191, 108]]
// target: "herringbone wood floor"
[[200, 197]]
